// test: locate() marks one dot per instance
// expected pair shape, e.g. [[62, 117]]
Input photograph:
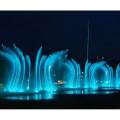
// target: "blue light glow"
[[54, 73]]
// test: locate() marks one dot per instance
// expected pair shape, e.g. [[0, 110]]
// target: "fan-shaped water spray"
[[55, 72]]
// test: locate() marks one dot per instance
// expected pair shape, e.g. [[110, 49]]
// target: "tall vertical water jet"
[[77, 80], [28, 72], [38, 86], [41, 72], [20, 84], [86, 83]]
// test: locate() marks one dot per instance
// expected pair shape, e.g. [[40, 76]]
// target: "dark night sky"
[[63, 30]]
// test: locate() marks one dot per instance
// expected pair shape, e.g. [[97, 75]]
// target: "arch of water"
[[55, 72]]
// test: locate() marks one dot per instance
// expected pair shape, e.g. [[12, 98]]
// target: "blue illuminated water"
[[54, 95], [55, 72]]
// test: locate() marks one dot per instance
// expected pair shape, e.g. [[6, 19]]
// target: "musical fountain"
[[54, 73]]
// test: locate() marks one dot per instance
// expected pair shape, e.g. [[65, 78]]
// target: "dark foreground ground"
[[97, 101]]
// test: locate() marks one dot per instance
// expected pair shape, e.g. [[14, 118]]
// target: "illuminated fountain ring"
[[55, 73]]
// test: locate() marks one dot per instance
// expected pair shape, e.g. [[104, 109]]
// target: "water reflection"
[[39, 96], [90, 91], [52, 95]]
